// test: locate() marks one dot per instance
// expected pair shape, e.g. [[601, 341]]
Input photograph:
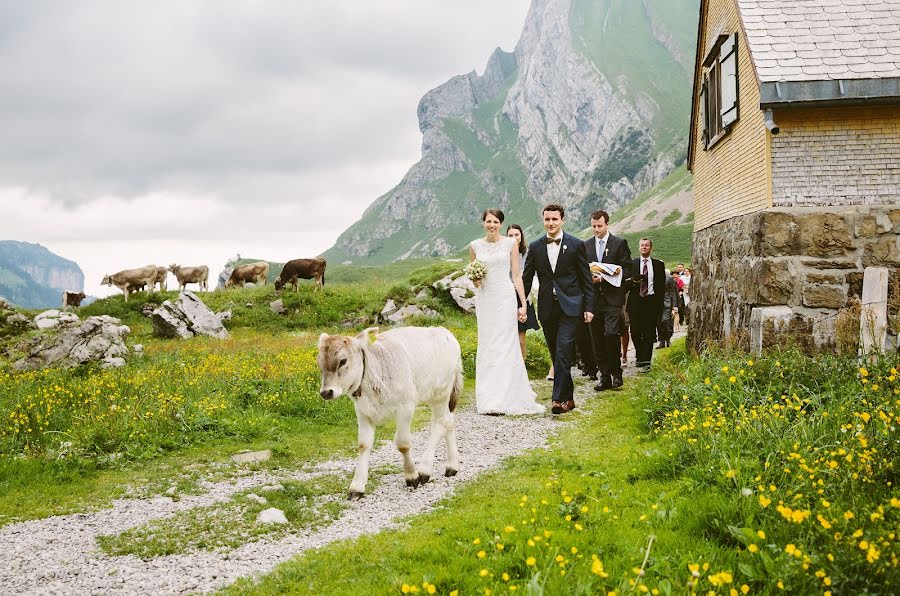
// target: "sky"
[[188, 132]]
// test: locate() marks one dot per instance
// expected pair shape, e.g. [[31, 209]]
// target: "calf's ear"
[[322, 339], [363, 336]]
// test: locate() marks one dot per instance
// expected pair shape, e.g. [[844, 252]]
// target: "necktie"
[[600, 245], [553, 240], [644, 284]]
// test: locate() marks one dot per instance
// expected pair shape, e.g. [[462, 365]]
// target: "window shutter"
[[703, 112], [729, 82]]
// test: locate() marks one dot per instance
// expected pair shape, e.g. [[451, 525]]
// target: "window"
[[718, 92]]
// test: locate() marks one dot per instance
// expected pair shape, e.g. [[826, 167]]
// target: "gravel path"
[[59, 555]]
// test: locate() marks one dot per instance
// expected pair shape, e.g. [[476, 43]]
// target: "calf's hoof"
[[450, 472], [355, 496], [413, 483], [424, 478]]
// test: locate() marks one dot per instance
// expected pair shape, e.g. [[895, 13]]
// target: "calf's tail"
[[457, 386]]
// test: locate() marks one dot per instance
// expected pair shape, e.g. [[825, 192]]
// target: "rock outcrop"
[[187, 317], [97, 339]]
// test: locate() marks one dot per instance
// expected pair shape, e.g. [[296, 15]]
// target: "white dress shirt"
[[553, 251], [649, 274]]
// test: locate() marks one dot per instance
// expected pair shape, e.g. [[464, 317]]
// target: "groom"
[[565, 297]]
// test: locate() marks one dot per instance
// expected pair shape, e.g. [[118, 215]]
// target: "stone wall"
[[836, 156], [809, 259]]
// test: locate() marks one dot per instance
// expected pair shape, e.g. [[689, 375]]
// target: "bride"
[[501, 382]]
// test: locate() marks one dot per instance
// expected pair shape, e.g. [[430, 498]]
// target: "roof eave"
[[830, 93]]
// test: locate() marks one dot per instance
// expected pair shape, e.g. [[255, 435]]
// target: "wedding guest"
[[666, 326], [645, 302], [607, 325], [515, 232]]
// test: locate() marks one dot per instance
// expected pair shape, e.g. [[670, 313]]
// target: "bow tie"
[[553, 240]]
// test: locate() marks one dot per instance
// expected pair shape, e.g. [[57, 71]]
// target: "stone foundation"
[[810, 259]]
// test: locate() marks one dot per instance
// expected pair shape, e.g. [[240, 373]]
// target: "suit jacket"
[[655, 302], [617, 253], [571, 279]]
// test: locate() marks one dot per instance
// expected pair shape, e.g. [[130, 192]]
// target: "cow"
[[301, 269], [387, 379], [255, 273], [71, 299], [130, 279], [161, 274], [191, 275]]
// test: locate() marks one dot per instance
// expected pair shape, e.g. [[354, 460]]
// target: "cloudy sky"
[[159, 132]]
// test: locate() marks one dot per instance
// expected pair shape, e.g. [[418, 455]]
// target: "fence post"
[[873, 314]]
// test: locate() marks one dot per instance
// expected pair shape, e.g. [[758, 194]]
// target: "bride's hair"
[[522, 245], [495, 212]]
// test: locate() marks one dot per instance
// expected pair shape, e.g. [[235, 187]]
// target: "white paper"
[[610, 272]]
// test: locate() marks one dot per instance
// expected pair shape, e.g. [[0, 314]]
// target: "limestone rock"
[[271, 516], [250, 457], [412, 310], [186, 318], [97, 339], [463, 292], [824, 296], [257, 499], [390, 307], [277, 307], [54, 318]]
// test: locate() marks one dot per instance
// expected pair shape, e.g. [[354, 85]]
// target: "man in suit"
[[608, 323], [645, 302], [565, 297]]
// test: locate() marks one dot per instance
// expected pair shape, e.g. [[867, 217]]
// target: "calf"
[[301, 269], [161, 274], [255, 273], [131, 279], [386, 380], [72, 298], [191, 275]]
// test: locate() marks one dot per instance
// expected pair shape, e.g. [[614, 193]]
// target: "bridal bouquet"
[[475, 270]]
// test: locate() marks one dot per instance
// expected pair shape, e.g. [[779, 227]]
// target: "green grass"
[[671, 244], [685, 482], [225, 526], [672, 217]]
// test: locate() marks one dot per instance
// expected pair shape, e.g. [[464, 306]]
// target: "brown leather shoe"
[[558, 407], [570, 405]]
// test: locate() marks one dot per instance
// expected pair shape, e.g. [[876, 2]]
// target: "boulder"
[[463, 292], [4, 305], [186, 318], [54, 318], [250, 457], [390, 307], [97, 339], [271, 516], [277, 307], [412, 310], [257, 499]]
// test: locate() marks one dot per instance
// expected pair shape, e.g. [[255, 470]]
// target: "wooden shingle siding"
[[836, 156], [731, 178]]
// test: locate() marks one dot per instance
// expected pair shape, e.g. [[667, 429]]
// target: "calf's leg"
[[365, 438], [402, 441]]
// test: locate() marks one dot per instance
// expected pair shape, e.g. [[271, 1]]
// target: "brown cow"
[[191, 275], [72, 298], [255, 273], [131, 279], [161, 274], [301, 269]]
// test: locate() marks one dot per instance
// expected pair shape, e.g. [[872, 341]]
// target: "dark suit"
[[564, 296], [645, 311], [607, 326]]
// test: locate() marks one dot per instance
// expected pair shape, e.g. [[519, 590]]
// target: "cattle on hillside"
[[255, 273], [161, 274], [191, 275], [71, 298], [301, 269], [386, 380], [130, 280]]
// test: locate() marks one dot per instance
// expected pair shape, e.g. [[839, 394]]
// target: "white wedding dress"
[[501, 381]]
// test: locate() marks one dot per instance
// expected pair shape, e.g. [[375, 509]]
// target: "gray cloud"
[[243, 101]]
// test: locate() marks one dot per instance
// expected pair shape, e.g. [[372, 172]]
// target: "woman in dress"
[[515, 232], [501, 381]]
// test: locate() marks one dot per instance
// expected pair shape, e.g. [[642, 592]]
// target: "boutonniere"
[[565, 247], [606, 253]]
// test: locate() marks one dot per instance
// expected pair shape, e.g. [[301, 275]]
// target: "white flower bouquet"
[[475, 270]]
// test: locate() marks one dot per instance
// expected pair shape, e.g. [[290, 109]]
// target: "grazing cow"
[[301, 269], [386, 380], [191, 275], [161, 274], [255, 273], [130, 280], [72, 298]]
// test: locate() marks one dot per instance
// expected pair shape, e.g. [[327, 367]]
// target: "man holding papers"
[[610, 262]]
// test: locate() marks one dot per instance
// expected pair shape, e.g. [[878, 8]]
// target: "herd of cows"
[[143, 278]]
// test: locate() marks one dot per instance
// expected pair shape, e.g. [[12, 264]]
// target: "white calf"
[[386, 380]]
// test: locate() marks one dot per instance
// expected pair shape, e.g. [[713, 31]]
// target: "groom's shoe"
[[616, 383], [557, 408], [604, 384]]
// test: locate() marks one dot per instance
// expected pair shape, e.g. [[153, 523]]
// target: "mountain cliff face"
[[33, 277], [590, 110]]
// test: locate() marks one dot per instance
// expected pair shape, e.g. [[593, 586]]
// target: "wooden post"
[[873, 315]]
